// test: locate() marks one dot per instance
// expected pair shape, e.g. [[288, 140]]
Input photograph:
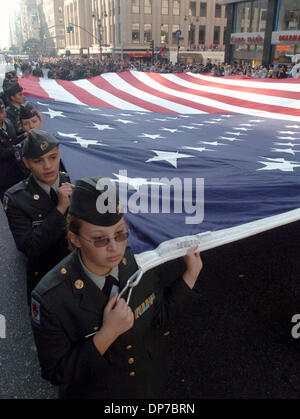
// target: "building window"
[[176, 7], [147, 32], [175, 39], [135, 6], [164, 7], [289, 15], [148, 7], [251, 16], [218, 10], [217, 35], [203, 9], [135, 33], [192, 9], [202, 34], [164, 32]]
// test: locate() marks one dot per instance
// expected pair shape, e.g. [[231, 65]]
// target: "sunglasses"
[[103, 242]]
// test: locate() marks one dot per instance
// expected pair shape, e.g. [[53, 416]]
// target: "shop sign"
[[285, 36], [247, 38]]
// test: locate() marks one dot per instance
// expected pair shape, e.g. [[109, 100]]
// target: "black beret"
[[96, 201], [37, 143], [13, 89], [27, 111]]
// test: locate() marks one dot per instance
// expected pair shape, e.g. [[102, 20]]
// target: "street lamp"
[[192, 28], [95, 15]]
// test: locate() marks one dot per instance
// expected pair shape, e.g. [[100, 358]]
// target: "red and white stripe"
[[184, 93]]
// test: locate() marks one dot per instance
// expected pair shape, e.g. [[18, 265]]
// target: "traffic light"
[[70, 29], [152, 47]]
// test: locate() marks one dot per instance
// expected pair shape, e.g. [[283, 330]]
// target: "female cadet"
[[90, 343]]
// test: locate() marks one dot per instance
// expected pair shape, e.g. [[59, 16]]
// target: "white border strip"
[[172, 249]]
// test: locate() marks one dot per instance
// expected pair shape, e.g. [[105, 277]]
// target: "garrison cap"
[[10, 74], [13, 89], [96, 201], [28, 111], [37, 143]]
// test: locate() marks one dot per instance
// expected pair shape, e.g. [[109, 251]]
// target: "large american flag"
[[240, 136]]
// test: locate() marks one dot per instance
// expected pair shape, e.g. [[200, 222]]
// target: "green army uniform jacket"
[[38, 228], [67, 307]]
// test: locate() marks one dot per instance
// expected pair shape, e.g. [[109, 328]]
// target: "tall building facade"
[[262, 31], [52, 26], [126, 27]]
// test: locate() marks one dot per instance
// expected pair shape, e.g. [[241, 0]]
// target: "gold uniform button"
[[63, 271], [128, 347], [167, 333], [36, 197], [26, 182], [130, 361], [36, 273], [40, 215], [79, 284], [132, 373], [124, 260]]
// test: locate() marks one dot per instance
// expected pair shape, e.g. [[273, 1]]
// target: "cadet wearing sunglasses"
[[126, 357]]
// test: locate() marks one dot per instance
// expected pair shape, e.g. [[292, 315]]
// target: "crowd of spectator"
[[82, 68]]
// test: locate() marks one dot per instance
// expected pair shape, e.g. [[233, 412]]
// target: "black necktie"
[[53, 196], [109, 282]]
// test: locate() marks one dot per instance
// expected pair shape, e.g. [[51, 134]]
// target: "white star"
[[188, 127], [293, 126], [235, 133], [217, 119], [135, 182], [242, 129], [285, 150], [287, 132], [93, 109], [246, 125], [199, 148], [255, 120], [168, 156], [184, 116], [279, 164], [152, 136], [211, 143], [171, 117], [124, 121], [170, 130], [160, 119], [83, 142], [200, 125], [288, 144], [102, 127], [227, 116], [42, 104], [210, 122], [288, 138], [54, 114]]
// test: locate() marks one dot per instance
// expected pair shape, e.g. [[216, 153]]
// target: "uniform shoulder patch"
[[35, 311], [5, 202]]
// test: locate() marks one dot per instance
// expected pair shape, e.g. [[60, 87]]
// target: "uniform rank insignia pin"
[[36, 197], [79, 284], [44, 146], [124, 261]]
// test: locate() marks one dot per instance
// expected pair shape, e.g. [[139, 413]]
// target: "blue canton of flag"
[[248, 168]]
